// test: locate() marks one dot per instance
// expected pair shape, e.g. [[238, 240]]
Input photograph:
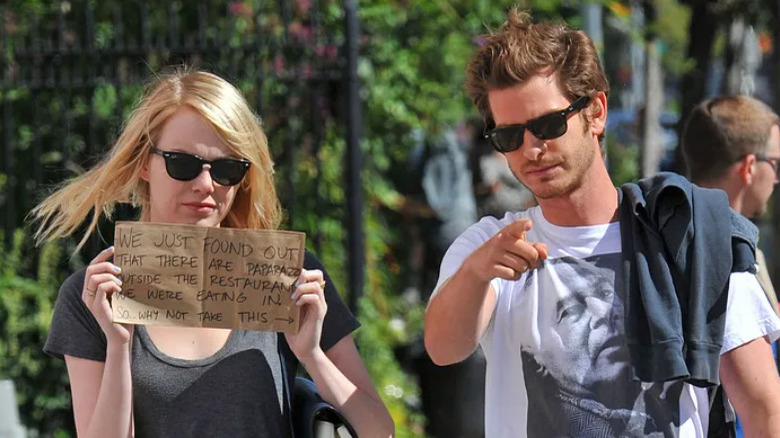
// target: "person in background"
[[192, 152], [733, 143]]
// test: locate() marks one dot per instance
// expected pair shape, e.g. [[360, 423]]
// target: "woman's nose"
[[203, 182]]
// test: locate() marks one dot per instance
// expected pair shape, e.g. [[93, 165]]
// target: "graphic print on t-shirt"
[[579, 381]]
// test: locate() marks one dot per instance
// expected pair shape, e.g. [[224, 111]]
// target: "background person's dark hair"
[[722, 130], [521, 49]]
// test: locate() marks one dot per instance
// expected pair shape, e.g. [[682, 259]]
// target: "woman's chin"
[[210, 221]]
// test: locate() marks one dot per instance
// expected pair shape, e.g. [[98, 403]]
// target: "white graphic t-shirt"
[[557, 360]]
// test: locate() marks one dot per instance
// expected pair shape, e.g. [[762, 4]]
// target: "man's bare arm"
[[456, 317], [459, 312], [752, 384]]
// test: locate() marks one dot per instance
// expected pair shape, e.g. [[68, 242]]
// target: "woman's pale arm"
[[102, 394], [102, 391], [343, 381], [339, 373]]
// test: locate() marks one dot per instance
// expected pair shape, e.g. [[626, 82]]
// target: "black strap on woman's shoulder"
[[287, 399]]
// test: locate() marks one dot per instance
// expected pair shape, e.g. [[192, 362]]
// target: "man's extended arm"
[[459, 312], [456, 317]]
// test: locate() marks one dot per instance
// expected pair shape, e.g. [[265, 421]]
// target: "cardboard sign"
[[193, 276]]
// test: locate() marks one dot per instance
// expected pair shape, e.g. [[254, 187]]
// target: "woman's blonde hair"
[[117, 178]]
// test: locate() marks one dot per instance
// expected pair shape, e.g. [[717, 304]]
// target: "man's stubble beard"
[[572, 178]]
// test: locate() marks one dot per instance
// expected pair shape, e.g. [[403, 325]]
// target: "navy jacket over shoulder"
[[680, 244]]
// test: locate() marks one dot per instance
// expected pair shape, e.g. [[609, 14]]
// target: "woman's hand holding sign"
[[100, 283], [309, 296]]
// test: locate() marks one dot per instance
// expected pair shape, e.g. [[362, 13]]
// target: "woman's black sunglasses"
[[186, 167], [552, 125]]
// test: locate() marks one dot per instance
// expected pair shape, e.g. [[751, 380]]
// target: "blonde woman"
[[193, 152]]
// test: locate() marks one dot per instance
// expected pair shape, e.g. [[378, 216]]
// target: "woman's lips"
[[200, 207]]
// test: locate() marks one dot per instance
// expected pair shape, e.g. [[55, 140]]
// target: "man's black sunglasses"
[[552, 125], [186, 167]]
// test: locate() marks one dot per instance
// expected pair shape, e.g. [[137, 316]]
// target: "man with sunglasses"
[[543, 95]]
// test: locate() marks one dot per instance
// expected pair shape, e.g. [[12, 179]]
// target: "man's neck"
[[595, 202], [734, 188]]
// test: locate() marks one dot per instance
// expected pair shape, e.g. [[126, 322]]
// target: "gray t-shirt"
[[237, 392]]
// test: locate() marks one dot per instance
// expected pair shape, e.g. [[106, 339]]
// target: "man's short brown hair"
[[521, 50], [722, 130]]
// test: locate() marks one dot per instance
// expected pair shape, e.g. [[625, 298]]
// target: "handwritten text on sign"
[[195, 276]]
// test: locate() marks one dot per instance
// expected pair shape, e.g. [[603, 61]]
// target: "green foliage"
[[412, 67], [623, 161], [105, 99], [672, 30], [27, 293]]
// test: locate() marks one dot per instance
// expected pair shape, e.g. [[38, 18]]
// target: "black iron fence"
[[71, 70]]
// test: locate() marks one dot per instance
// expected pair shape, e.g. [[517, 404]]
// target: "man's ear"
[[746, 169], [597, 110]]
